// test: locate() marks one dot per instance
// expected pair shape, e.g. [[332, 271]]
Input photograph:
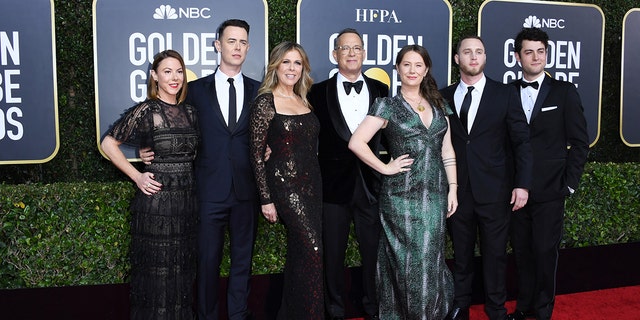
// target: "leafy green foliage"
[[78, 233], [64, 234], [606, 207]]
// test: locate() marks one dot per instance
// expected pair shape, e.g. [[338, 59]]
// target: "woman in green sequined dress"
[[418, 192]]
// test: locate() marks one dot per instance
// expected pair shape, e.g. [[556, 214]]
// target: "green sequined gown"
[[412, 278]]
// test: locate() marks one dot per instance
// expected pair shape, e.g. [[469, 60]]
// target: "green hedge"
[[77, 233]]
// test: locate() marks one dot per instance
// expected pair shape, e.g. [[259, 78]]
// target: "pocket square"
[[548, 108]]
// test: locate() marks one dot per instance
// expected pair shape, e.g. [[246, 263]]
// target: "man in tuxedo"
[[559, 139], [226, 188], [350, 187], [491, 139]]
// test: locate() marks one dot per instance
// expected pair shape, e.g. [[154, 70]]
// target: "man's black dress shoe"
[[458, 314], [520, 315], [372, 317]]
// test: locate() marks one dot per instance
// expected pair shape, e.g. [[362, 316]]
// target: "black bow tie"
[[525, 84], [356, 85]]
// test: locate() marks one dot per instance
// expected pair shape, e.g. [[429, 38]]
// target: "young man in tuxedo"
[[490, 136], [559, 139], [350, 187]]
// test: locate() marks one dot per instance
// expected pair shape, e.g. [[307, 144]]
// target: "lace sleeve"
[[262, 112], [135, 126]]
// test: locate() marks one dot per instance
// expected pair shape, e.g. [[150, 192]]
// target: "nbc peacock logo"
[[532, 22], [165, 12]]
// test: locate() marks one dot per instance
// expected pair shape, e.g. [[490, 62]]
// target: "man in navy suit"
[[560, 145], [225, 184], [490, 136], [349, 187]]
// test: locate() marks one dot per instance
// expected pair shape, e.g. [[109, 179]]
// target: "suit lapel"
[[333, 108], [248, 89], [449, 94], [542, 96], [215, 104], [484, 108]]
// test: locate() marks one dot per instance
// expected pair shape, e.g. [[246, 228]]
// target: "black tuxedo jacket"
[[495, 156], [559, 139], [339, 166], [223, 155]]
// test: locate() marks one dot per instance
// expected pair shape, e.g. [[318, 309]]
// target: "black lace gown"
[[163, 225], [291, 180]]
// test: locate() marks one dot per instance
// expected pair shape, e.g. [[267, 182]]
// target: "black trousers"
[[536, 232], [337, 220], [491, 220]]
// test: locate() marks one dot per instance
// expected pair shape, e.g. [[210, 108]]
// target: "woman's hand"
[[399, 165], [452, 201], [146, 155], [147, 184], [269, 212]]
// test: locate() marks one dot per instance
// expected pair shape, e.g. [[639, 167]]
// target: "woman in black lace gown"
[[164, 219], [289, 182]]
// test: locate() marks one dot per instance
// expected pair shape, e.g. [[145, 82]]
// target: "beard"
[[472, 71]]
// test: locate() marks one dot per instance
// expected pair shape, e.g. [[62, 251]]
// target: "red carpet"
[[618, 303]]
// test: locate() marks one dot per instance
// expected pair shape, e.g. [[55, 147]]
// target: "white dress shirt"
[[222, 91], [529, 95], [476, 95], [354, 106]]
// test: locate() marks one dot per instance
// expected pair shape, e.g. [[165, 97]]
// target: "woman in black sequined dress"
[[289, 182], [164, 216]]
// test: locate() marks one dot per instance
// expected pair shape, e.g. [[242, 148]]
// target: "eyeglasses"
[[345, 49]]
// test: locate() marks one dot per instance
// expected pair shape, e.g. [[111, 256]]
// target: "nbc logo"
[[530, 22], [549, 23], [165, 12]]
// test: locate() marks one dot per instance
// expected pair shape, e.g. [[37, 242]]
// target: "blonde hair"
[[276, 57]]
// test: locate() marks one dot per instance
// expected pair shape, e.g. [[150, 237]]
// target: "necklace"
[[420, 106], [284, 95]]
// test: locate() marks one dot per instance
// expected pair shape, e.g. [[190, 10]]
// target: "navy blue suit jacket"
[[223, 155]]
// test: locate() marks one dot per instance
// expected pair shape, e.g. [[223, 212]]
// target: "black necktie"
[[464, 109], [232, 105], [356, 85], [525, 84]]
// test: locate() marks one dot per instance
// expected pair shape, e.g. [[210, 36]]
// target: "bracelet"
[[450, 183]]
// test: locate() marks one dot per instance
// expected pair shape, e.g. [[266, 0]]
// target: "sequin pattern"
[[291, 180], [412, 278]]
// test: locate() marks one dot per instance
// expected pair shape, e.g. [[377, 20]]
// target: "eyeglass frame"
[[345, 49]]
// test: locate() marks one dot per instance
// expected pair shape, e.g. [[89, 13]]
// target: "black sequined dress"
[[164, 225], [291, 180]]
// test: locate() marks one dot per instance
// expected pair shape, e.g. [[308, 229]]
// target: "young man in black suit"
[[350, 187], [490, 136], [559, 139]]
